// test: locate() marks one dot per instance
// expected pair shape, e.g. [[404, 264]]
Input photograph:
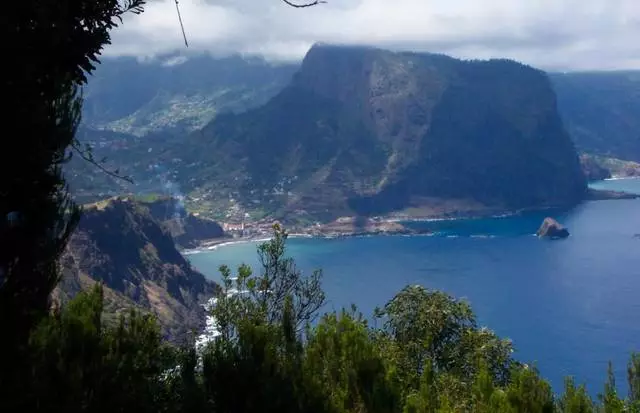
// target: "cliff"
[[593, 169], [600, 167], [119, 244], [187, 229], [363, 131]]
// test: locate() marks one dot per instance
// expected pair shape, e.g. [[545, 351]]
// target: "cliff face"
[[119, 244], [186, 229], [593, 169], [600, 167], [366, 131]]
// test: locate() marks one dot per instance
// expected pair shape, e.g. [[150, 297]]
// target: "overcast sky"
[[550, 34]]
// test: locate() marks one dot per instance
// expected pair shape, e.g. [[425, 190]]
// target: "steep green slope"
[[186, 229], [177, 93], [133, 108], [367, 131], [120, 244], [601, 111]]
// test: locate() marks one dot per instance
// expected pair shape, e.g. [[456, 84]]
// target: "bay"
[[569, 306]]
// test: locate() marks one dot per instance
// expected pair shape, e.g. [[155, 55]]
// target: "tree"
[[343, 360], [611, 403], [78, 364], [262, 299], [575, 399], [633, 377], [53, 45], [430, 327], [260, 345], [528, 393]]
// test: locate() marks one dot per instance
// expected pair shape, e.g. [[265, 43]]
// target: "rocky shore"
[[600, 195], [390, 225]]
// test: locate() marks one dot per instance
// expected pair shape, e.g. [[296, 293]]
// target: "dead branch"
[[303, 5], [87, 155]]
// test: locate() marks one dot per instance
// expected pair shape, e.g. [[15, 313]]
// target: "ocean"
[[569, 306]]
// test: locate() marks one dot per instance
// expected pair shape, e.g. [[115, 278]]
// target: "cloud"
[[551, 34]]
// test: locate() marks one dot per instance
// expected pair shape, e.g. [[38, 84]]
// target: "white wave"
[[300, 235], [243, 241], [211, 332], [192, 252], [622, 178]]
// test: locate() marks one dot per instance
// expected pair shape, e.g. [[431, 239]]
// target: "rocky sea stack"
[[552, 229]]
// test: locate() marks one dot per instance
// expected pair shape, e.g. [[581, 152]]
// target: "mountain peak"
[[366, 131]]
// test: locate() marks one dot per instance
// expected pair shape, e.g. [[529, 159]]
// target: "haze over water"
[[569, 306]]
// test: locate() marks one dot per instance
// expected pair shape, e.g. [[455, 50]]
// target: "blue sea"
[[569, 306]]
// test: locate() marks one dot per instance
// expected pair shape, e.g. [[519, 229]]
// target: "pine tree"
[[611, 403]]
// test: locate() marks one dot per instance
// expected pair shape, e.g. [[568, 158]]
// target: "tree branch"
[[87, 155], [300, 6]]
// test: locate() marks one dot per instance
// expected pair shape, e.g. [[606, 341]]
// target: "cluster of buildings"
[[243, 229]]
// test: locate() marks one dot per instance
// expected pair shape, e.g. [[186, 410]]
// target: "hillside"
[[176, 93], [363, 131], [139, 98], [601, 111], [133, 107], [187, 229], [599, 167], [120, 244]]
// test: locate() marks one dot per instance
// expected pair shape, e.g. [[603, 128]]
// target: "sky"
[[549, 34]]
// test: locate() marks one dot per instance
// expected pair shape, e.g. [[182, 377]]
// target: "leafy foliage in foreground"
[[427, 355]]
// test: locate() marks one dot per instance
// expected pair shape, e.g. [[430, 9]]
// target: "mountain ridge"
[[361, 130], [176, 93], [155, 159]]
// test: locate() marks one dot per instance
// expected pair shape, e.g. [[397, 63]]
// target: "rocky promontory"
[[355, 226], [552, 229], [120, 244], [187, 229]]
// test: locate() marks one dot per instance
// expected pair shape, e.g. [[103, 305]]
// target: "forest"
[[423, 351]]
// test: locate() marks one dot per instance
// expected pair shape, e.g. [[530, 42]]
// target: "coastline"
[[347, 227], [213, 244], [397, 229], [621, 178]]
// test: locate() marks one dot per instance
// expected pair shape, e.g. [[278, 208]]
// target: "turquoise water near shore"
[[569, 306]]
